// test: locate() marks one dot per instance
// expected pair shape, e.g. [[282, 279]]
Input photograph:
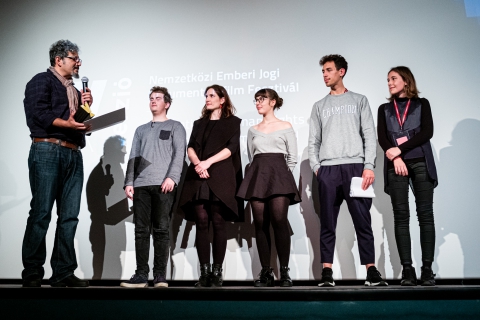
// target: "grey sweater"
[[342, 131], [280, 141], [158, 152]]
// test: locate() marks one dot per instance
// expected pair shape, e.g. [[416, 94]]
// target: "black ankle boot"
[[265, 278], [217, 278], [205, 274], [285, 280]]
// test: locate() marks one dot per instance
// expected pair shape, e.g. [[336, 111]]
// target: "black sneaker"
[[374, 278], [72, 282], [136, 281], [327, 278], [32, 281], [428, 277], [159, 281], [409, 277]]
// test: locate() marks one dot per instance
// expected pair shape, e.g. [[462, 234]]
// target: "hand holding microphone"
[[86, 93]]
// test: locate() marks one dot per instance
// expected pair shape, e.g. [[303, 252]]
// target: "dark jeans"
[[151, 215], [334, 187], [422, 187], [56, 174]]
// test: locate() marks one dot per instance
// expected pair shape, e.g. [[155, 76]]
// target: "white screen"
[[129, 46]]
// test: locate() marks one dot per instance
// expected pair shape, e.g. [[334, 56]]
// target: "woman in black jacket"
[[212, 180], [405, 127]]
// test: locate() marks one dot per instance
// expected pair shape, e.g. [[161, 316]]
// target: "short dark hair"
[[270, 94], [166, 96], [411, 90], [61, 48], [339, 61]]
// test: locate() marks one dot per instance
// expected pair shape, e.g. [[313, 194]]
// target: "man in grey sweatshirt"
[[342, 145], [153, 172]]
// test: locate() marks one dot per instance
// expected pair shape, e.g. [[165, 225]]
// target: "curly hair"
[[227, 109], [61, 48], [337, 59]]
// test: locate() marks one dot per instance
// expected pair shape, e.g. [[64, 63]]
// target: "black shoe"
[[285, 280], [327, 278], [374, 278], [265, 278], [71, 281], [32, 281], [409, 277], [428, 277], [136, 281], [205, 274], [217, 278], [160, 281]]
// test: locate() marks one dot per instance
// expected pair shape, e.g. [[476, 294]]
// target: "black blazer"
[[225, 176]]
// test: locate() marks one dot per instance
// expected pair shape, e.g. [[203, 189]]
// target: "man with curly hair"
[[55, 166]]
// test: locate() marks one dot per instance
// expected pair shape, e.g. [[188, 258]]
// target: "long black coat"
[[225, 176]]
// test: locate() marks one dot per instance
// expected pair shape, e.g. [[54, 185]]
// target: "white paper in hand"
[[356, 190]]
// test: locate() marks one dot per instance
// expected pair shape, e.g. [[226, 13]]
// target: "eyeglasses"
[[76, 59], [259, 100]]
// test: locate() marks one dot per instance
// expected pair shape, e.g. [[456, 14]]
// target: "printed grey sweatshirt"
[[158, 152], [342, 131]]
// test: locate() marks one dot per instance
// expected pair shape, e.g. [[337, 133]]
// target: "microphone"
[[107, 167], [85, 83]]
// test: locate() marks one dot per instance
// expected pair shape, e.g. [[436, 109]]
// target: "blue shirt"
[[45, 100]]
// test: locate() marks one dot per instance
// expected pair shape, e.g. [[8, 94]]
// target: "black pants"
[[422, 187], [151, 215], [334, 187]]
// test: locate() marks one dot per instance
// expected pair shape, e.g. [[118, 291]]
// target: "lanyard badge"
[[401, 136]]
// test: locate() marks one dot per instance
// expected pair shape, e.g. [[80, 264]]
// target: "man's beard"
[[75, 75]]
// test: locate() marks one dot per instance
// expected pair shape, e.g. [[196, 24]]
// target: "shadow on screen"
[[455, 205], [107, 230]]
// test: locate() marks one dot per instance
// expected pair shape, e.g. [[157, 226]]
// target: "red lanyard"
[[402, 121]]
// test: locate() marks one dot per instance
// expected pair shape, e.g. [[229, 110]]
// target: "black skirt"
[[267, 176]]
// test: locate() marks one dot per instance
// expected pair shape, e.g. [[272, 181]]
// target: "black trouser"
[[151, 215], [422, 187], [334, 187]]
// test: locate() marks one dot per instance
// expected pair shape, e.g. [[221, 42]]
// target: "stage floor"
[[183, 301]]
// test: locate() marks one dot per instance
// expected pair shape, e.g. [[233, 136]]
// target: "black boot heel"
[[217, 277], [205, 273], [285, 280], [265, 278]]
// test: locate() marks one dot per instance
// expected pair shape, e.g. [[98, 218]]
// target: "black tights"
[[274, 210], [202, 212]]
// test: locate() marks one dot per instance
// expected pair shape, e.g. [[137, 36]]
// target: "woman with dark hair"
[[212, 180], [405, 127], [269, 184]]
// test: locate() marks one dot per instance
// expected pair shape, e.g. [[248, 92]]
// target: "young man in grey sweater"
[[342, 145], [153, 172]]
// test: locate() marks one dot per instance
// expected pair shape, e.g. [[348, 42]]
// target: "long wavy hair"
[[227, 108], [411, 90]]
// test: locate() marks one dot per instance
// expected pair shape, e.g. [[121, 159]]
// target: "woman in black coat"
[[212, 180]]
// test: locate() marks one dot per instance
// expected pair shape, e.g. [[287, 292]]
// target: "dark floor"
[[182, 301]]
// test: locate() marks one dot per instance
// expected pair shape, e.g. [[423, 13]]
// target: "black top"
[[225, 176], [208, 130], [425, 134], [45, 100]]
